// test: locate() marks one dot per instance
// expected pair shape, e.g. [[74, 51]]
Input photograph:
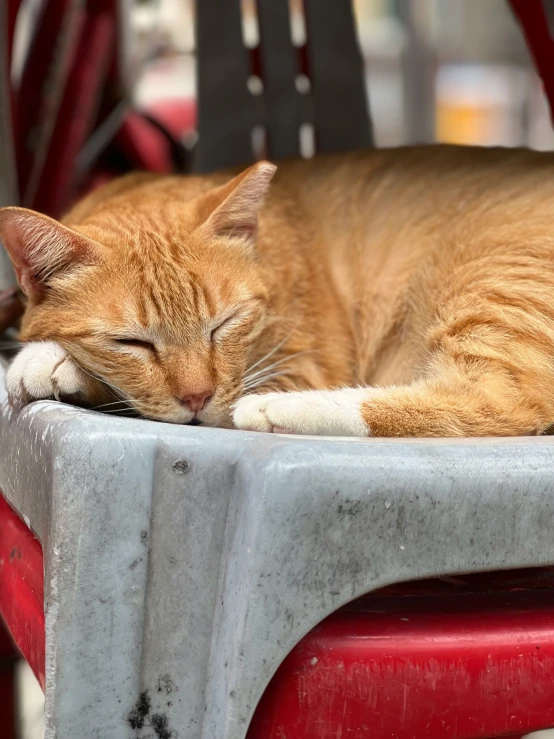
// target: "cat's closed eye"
[[136, 344], [218, 330]]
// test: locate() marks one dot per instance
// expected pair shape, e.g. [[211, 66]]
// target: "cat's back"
[[440, 180], [434, 173]]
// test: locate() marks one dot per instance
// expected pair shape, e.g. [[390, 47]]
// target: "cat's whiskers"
[[261, 380], [121, 411], [269, 354], [10, 345], [116, 390], [252, 376], [105, 405]]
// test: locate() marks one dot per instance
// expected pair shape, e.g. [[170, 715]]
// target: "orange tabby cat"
[[410, 292]]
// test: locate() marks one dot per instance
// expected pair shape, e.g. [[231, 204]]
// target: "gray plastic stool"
[[183, 564]]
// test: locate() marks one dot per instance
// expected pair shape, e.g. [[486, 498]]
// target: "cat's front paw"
[[43, 369], [250, 412], [310, 413]]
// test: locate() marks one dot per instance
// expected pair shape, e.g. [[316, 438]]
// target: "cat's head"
[[157, 293]]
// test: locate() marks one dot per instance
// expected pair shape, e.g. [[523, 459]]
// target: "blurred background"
[[475, 81], [453, 71]]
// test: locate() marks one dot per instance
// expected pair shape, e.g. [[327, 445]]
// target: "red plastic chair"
[[430, 660], [22, 609]]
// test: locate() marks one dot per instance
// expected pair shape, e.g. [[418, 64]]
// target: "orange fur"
[[426, 273]]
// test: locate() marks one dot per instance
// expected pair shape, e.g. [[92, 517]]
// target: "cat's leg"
[[43, 369], [311, 412], [414, 410], [462, 396]]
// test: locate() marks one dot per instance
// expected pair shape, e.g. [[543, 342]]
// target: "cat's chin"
[[222, 422], [178, 419]]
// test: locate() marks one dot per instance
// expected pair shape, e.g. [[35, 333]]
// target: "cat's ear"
[[40, 248], [232, 209]]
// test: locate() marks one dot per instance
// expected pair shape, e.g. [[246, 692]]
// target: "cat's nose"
[[195, 402]]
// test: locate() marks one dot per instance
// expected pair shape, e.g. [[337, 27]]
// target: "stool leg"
[[7, 685]]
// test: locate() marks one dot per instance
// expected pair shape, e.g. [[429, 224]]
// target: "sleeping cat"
[[407, 292]]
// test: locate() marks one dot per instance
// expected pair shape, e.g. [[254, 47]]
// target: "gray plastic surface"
[[183, 563]]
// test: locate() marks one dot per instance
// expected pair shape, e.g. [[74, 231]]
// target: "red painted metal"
[[177, 115], [144, 146], [532, 18], [13, 10], [79, 106], [140, 145], [419, 667], [22, 588], [42, 84]]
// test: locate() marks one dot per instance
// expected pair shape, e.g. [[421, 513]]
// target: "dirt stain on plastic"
[[158, 721], [138, 714]]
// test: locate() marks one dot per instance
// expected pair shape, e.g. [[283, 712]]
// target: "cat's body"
[[422, 277]]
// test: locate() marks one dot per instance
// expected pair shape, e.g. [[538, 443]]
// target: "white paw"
[[42, 369], [311, 413]]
